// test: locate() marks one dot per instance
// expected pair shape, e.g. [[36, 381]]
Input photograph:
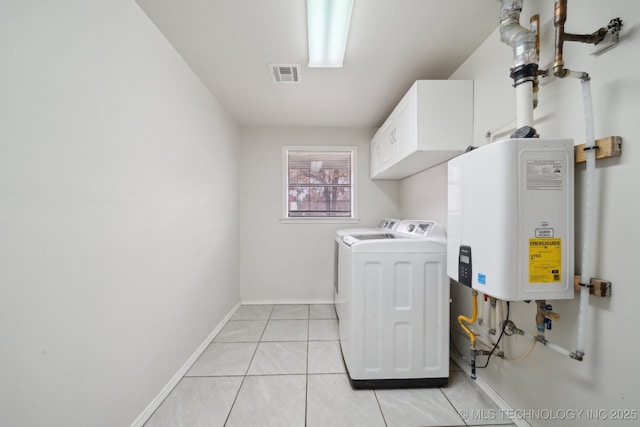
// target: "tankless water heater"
[[510, 219]]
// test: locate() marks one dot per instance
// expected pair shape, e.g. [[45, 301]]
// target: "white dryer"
[[392, 300]]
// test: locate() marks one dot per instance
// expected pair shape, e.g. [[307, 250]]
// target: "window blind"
[[319, 183]]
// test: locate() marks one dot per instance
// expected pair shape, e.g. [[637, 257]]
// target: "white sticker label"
[[544, 232], [545, 175]]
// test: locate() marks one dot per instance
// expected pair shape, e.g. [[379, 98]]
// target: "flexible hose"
[[462, 319], [526, 354]]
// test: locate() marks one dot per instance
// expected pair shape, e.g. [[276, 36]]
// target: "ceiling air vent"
[[285, 73]]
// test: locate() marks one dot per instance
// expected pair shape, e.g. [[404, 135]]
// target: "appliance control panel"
[[388, 224], [415, 228], [464, 265]]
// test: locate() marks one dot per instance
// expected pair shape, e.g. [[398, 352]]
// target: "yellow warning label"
[[545, 260]]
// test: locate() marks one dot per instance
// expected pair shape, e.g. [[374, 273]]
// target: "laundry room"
[[186, 191]]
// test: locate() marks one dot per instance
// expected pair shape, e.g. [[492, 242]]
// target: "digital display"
[[464, 259]]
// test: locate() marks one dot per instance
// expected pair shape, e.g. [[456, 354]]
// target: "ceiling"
[[229, 44]]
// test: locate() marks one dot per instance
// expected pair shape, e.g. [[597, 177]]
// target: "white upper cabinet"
[[432, 123]]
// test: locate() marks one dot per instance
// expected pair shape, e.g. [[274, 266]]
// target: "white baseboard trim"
[[491, 393], [277, 301], [157, 401]]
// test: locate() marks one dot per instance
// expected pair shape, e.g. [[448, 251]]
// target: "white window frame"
[[285, 185]]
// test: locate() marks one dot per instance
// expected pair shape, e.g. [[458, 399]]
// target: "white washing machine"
[[392, 300]]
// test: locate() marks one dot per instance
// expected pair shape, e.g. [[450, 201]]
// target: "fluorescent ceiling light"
[[328, 26]]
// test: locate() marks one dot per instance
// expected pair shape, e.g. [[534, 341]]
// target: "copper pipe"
[[593, 38], [559, 19], [540, 326], [535, 20]]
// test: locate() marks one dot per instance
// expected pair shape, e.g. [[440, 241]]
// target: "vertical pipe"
[[589, 217], [535, 23], [590, 193], [524, 104], [540, 320], [492, 324], [559, 19], [525, 59]]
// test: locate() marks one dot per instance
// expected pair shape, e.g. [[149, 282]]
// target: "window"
[[319, 182]]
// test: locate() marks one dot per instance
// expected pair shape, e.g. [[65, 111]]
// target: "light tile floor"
[[281, 365]]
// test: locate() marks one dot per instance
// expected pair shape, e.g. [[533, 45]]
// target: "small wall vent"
[[285, 73]]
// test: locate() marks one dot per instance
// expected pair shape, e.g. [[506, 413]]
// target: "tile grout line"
[[244, 377], [384, 420], [451, 403]]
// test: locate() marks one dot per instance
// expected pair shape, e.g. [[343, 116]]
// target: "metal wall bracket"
[[610, 146]]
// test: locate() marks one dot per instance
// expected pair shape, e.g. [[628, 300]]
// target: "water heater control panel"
[[464, 265]]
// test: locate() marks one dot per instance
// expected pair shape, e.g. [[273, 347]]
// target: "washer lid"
[[373, 236], [351, 239], [398, 245]]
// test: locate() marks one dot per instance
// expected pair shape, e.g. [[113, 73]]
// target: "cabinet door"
[[388, 137], [406, 120], [374, 167]]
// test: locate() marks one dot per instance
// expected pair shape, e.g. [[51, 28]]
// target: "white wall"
[[118, 213], [606, 379], [424, 195], [294, 262]]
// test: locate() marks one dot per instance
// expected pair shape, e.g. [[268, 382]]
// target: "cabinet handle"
[[392, 136]]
